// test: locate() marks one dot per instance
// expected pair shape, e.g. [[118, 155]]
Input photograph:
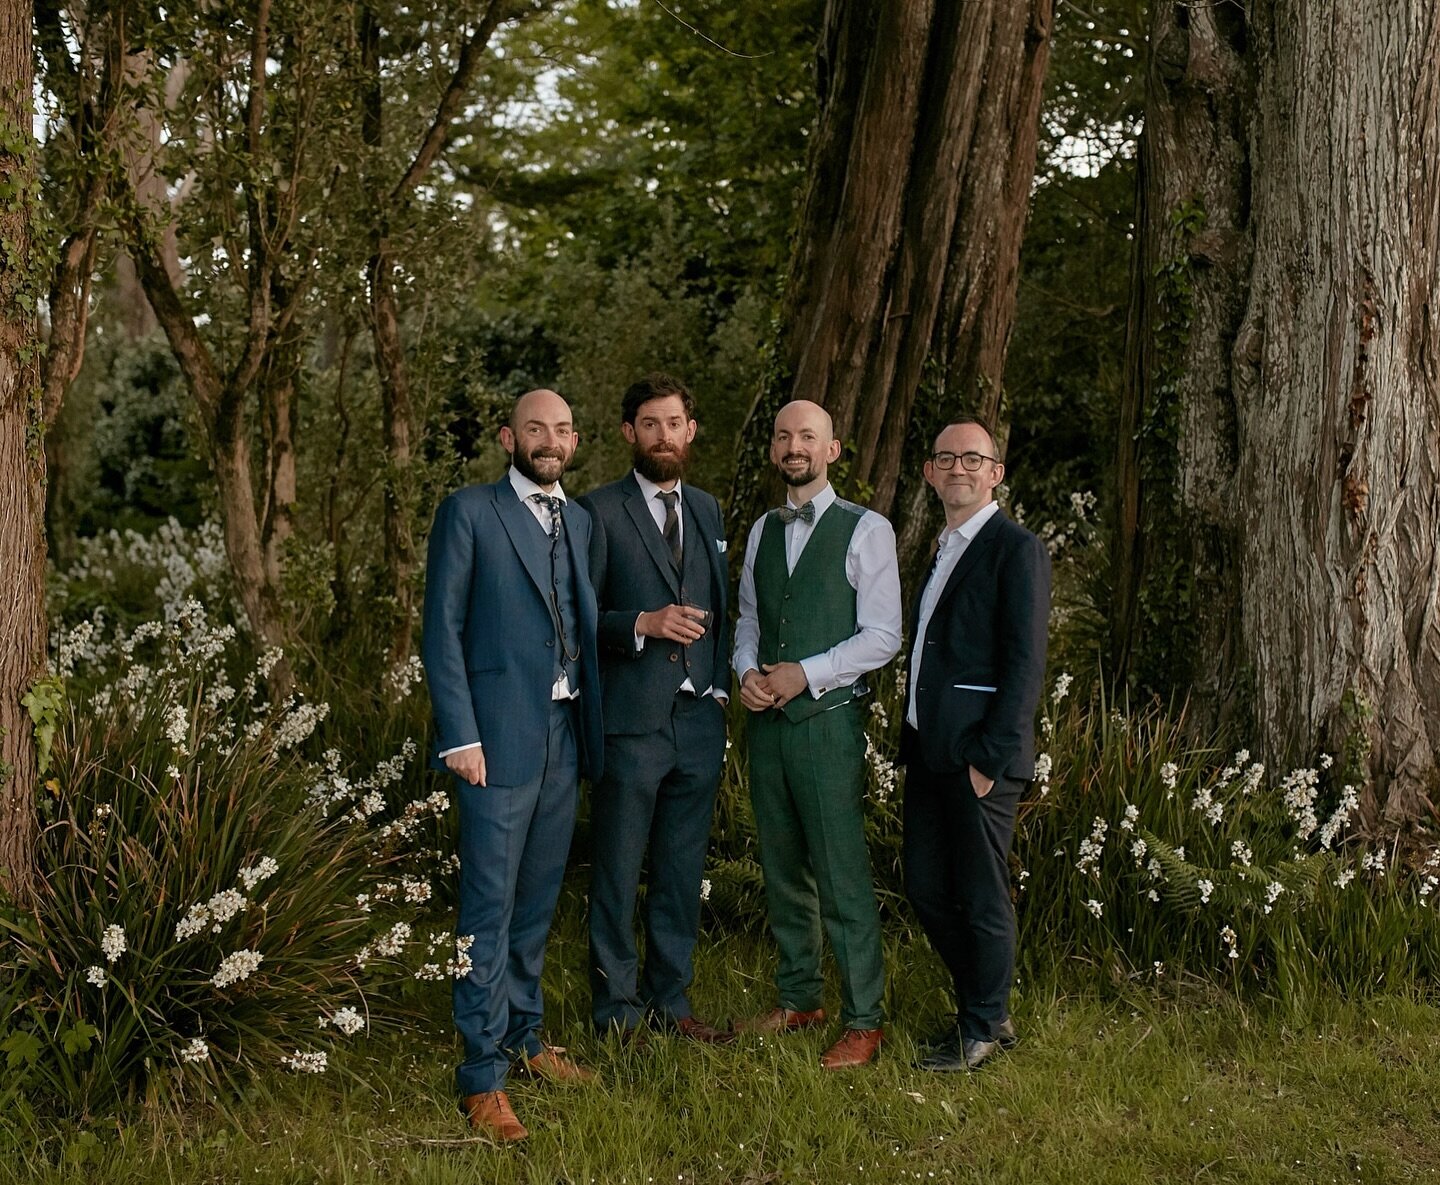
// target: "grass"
[[1168, 1083]]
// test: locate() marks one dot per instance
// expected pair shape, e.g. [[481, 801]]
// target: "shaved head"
[[803, 445], [802, 412], [540, 436]]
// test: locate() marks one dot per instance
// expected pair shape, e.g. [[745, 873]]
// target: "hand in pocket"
[[980, 783]]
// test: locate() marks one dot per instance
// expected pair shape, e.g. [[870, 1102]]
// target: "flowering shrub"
[[1140, 855], [213, 901]]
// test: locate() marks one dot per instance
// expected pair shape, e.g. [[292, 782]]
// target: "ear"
[[507, 439], [627, 431], [690, 431], [832, 452], [999, 474]]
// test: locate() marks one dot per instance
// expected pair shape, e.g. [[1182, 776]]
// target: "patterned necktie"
[[788, 513], [552, 504], [671, 530]]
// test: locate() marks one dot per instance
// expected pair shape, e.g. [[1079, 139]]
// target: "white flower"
[[224, 906], [417, 892], [347, 1020], [1206, 888], [705, 890], [237, 966], [1095, 907], [306, 1063], [1153, 895], [257, 872], [113, 944], [1272, 894], [1138, 850], [1092, 849], [1043, 767], [1062, 686], [177, 725], [1132, 812], [1230, 939], [1371, 861], [1169, 773], [196, 918], [1241, 851], [1346, 876], [195, 1050], [95, 976], [1326, 761]]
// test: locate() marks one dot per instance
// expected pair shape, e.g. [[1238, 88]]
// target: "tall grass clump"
[[215, 898], [1147, 856]]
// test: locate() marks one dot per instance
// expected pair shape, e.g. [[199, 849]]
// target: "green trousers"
[[806, 783]]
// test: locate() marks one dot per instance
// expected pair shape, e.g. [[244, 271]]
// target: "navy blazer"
[[632, 573], [489, 640], [989, 630]]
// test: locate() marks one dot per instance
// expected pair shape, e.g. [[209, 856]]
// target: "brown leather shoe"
[[490, 1114], [551, 1065], [781, 1020], [856, 1047], [693, 1029]]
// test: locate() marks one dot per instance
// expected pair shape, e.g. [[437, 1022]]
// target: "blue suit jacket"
[[632, 572], [489, 639], [989, 629]]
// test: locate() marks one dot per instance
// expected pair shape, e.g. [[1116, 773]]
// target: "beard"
[[542, 465], [798, 477], [660, 465]]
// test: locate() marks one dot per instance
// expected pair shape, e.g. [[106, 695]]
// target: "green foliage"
[[212, 903], [43, 701]]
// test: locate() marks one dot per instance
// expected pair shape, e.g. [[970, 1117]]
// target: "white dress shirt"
[[953, 542], [525, 489], [874, 574]]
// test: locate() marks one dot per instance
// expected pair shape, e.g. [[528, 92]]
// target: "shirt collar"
[[971, 526], [650, 489], [524, 487], [822, 500]]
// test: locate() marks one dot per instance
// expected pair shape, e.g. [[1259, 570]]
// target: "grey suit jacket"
[[632, 574]]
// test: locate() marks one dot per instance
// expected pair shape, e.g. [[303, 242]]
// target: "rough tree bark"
[[1309, 453], [22, 455], [907, 250]]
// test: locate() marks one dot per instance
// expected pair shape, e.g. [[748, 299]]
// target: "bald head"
[[803, 446], [540, 437]]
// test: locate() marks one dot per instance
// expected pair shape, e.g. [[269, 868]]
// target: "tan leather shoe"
[[551, 1065], [490, 1114], [781, 1020], [856, 1047]]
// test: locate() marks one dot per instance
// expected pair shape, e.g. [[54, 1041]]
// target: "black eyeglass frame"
[[962, 458]]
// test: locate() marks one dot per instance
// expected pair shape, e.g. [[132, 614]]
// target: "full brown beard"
[[525, 463], [658, 467]]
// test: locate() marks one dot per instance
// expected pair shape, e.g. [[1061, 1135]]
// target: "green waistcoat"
[[809, 610]]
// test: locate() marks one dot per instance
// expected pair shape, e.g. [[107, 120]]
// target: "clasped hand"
[[774, 688]]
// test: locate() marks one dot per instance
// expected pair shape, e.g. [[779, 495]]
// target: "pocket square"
[[721, 545], [973, 687]]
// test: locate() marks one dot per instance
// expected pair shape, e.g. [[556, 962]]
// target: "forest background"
[[275, 273]]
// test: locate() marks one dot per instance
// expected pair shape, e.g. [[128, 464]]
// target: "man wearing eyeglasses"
[[977, 664]]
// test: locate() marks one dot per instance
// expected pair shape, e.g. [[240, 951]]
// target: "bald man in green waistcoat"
[[819, 610]]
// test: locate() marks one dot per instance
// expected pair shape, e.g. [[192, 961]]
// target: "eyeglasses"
[[970, 462]]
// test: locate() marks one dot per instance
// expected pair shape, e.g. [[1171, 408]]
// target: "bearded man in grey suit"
[[657, 561]]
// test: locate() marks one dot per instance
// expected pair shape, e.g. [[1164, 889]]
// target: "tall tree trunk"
[[1308, 456], [907, 250], [22, 455], [1177, 444]]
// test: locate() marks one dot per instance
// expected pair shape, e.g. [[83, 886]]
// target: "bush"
[[1145, 856], [212, 903]]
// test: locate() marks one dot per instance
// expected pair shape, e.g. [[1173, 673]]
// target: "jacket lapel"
[[649, 532], [978, 546], [526, 535]]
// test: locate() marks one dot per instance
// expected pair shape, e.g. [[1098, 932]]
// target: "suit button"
[[550, 643], [787, 596], [784, 621], [782, 645], [674, 657]]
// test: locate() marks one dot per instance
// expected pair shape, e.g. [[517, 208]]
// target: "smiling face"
[[803, 445], [660, 438], [962, 493], [540, 437]]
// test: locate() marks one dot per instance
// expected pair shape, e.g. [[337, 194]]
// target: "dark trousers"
[[957, 877], [513, 844], [657, 795]]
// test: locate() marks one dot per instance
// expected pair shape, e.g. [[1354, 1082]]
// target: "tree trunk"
[[22, 456], [1308, 457], [907, 249]]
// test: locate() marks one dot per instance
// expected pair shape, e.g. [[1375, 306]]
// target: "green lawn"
[[1168, 1085]]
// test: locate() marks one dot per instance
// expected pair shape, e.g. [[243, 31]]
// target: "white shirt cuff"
[[459, 749]]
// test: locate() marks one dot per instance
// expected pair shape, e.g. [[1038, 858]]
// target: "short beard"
[[660, 467], [802, 477], [525, 463]]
